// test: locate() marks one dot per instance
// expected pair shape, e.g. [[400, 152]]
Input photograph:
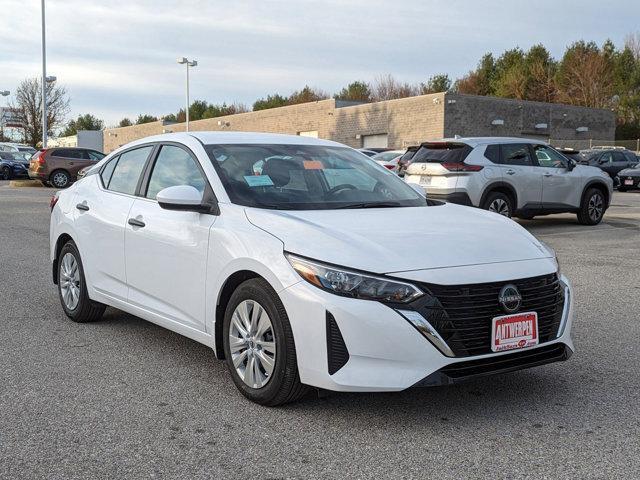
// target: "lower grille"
[[461, 371], [337, 353], [462, 314]]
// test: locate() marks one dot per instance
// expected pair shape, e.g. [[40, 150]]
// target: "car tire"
[[263, 343], [5, 173], [60, 179], [72, 287], [500, 203], [592, 208]]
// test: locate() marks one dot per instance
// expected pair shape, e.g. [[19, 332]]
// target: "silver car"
[[511, 176]]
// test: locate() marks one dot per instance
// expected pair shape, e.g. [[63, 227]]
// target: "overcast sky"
[[117, 58]]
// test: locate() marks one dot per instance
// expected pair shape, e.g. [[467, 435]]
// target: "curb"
[[25, 183]]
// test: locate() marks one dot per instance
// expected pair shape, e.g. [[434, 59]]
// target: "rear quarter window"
[[492, 153]]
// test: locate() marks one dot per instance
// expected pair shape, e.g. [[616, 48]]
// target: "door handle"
[[83, 206], [510, 172], [136, 223]]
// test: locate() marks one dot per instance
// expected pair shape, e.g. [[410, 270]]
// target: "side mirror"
[[182, 197], [419, 188], [571, 165]]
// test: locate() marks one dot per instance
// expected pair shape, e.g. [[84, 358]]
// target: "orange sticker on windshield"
[[313, 165]]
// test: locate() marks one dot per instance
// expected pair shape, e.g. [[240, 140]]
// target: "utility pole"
[[44, 81]]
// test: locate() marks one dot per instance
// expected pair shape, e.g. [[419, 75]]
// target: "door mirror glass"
[[181, 197]]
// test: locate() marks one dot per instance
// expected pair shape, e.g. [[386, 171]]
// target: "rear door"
[[520, 171], [101, 215], [166, 250]]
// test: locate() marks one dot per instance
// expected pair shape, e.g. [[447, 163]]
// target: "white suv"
[[511, 176]]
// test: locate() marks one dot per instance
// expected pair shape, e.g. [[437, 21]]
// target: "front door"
[[166, 250], [521, 172], [559, 184]]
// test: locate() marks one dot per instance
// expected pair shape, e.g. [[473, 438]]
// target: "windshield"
[[307, 177]]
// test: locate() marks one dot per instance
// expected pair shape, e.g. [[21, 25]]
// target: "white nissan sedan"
[[282, 253]]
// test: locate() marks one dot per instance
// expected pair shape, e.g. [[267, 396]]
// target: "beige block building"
[[403, 122]]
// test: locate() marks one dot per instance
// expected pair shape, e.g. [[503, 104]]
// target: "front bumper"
[[385, 351]]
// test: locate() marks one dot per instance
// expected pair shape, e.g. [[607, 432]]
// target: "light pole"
[[188, 63], [44, 81], [4, 93]]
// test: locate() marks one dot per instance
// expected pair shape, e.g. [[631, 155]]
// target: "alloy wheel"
[[5, 173], [60, 179], [252, 344], [69, 281], [499, 206], [595, 207]]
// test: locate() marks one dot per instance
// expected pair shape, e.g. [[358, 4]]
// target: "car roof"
[[225, 138], [475, 141]]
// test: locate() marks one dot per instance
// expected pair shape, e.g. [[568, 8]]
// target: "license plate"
[[425, 180], [510, 332], [628, 182]]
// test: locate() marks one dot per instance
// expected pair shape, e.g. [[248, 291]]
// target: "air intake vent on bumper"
[[337, 353]]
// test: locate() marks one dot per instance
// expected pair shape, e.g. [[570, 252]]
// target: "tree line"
[[586, 75]]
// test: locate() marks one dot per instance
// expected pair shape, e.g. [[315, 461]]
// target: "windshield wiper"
[[371, 205]]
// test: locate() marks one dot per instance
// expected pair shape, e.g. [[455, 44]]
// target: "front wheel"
[[72, 287], [500, 203], [592, 207], [5, 173], [259, 347]]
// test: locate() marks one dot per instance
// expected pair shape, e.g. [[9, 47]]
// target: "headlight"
[[353, 284]]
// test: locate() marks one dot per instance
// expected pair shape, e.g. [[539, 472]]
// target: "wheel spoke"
[[267, 346], [256, 315], [264, 324], [266, 362], [250, 372], [239, 360], [236, 344], [239, 325]]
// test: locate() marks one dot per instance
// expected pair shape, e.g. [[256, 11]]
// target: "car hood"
[[386, 240]]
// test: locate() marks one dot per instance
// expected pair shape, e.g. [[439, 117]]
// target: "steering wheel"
[[339, 188]]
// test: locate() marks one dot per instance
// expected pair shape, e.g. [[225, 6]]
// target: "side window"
[[127, 172], [95, 156], [619, 157], [548, 157], [516, 154], [59, 152], [606, 157], [493, 153], [174, 166], [107, 170]]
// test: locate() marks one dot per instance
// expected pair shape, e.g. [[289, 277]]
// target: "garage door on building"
[[309, 133], [380, 140]]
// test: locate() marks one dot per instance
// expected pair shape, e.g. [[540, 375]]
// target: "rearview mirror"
[[419, 188], [181, 197]]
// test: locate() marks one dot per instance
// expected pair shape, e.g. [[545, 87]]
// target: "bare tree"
[[386, 87], [632, 42], [28, 101]]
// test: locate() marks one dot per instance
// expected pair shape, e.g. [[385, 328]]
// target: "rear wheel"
[[259, 347], [72, 287], [500, 203], [60, 179], [5, 173], [592, 208]]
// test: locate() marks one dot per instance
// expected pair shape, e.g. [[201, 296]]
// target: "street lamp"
[[188, 63], [44, 80]]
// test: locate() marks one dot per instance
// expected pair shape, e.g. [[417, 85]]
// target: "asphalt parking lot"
[[123, 398]]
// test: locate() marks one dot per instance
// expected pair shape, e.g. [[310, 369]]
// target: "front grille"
[[462, 314]]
